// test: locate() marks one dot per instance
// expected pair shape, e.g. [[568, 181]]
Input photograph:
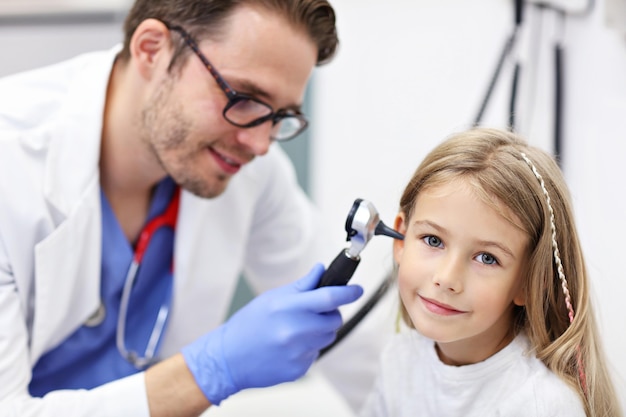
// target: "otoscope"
[[362, 223]]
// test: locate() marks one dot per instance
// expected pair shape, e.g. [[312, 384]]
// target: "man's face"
[[260, 55], [460, 272]]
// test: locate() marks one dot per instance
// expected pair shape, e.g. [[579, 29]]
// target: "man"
[[107, 267]]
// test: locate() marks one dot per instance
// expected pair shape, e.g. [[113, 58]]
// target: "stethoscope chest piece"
[[97, 317]]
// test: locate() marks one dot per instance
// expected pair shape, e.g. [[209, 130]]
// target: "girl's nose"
[[449, 274]]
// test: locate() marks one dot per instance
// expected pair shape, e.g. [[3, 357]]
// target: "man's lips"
[[228, 164], [436, 307]]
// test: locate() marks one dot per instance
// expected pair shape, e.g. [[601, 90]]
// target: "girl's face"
[[460, 272]]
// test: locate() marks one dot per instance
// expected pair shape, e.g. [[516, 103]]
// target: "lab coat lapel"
[[67, 287], [208, 254]]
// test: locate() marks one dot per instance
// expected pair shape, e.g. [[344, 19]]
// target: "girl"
[[492, 279]]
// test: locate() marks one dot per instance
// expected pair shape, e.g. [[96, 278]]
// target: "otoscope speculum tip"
[[383, 229]]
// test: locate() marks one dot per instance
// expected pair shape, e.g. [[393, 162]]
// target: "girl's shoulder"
[[540, 391], [544, 394]]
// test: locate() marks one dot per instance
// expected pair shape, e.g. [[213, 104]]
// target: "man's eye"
[[433, 241]]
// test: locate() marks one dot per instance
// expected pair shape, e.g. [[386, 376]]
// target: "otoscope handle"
[[340, 270]]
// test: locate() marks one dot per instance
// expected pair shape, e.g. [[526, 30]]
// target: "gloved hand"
[[275, 338]]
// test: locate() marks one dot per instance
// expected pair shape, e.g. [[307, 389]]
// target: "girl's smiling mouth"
[[439, 308]]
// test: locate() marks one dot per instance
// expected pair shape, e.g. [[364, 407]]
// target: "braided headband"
[[559, 265]]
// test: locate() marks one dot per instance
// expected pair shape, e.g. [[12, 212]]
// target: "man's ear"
[[149, 46], [399, 224]]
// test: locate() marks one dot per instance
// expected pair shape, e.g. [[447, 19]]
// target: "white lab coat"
[[50, 236]]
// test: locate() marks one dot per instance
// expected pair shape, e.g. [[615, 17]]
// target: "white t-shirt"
[[414, 382]]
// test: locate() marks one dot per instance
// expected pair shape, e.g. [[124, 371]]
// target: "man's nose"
[[257, 139]]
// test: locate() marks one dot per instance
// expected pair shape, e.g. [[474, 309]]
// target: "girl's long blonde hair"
[[499, 165]]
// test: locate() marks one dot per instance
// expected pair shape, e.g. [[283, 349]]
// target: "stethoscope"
[[166, 219], [361, 225]]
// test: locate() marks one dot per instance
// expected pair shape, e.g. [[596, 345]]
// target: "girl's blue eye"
[[487, 259], [433, 241]]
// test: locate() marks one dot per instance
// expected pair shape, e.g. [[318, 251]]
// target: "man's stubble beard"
[[165, 131]]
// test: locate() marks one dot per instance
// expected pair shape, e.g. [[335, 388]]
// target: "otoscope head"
[[362, 224]]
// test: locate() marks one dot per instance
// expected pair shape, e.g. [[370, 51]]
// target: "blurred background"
[[408, 74]]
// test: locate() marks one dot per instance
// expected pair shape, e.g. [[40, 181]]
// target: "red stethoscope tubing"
[[167, 219]]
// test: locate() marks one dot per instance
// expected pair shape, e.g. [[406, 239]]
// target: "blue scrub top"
[[89, 357]]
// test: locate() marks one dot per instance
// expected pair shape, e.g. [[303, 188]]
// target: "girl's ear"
[[149, 45], [520, 298], [398, 244]]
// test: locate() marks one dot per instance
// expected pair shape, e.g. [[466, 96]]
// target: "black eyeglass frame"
[[234, 97]]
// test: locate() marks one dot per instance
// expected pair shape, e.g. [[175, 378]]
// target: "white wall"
[[410, 72], [34, 33]]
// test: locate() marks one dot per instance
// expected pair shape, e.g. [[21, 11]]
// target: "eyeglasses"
[[245, 111]]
